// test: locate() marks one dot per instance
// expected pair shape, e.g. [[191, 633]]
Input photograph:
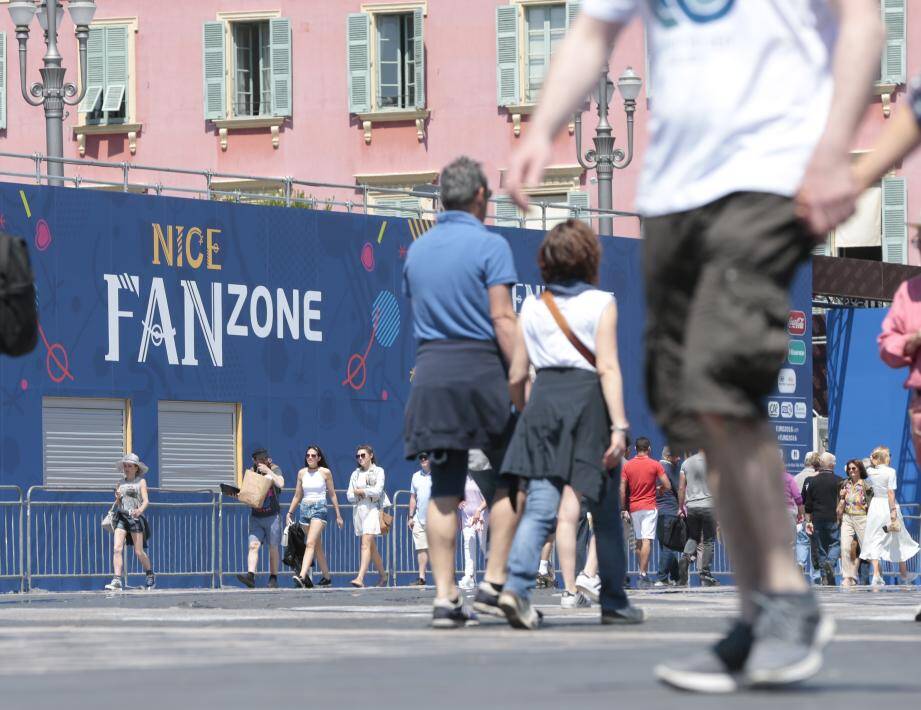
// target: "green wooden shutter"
[[3, 80], [116, 83], [396, 206], [507, 55], [215, 81], [280, 40], [506, 213], [893, 63], [579, 199], [895, 213], [95, 69], [572, 9], [358, 41], [419, 56]]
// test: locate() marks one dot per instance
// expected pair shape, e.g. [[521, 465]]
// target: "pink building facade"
[[349, 92]]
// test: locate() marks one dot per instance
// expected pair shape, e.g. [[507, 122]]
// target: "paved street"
[[372, 649]]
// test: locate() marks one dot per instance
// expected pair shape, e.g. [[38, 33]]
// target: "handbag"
[[385, 517], [108, 520], [254, 489], [677, 535]]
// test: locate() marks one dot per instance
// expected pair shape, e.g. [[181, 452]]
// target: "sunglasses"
[[360, 456], [311, 456]]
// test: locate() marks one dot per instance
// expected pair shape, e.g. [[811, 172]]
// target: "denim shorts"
[[311, 511], [265, 530]]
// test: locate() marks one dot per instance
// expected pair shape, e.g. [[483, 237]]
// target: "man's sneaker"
[[658, 584], [545, 581], [574, 601], [467, 583], [589, 586], [790, 633], [717, 670], [247, 580], [150, 582], [452, 615], [273, 581], [708, 580], [519, 612], [115, 585], [918, 615], [486, 600], [625, 616], [324, 582]]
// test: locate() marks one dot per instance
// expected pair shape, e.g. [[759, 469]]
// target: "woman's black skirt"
[[459, 398], [563, 431]]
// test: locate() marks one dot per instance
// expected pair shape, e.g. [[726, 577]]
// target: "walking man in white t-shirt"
[[420, 493], [756, 106]]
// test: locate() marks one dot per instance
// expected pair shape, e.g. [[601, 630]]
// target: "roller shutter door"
[[197, 444], [82, 439]]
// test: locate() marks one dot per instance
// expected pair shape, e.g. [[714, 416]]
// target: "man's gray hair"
[[459, 182], [812, 459], [827, 460]]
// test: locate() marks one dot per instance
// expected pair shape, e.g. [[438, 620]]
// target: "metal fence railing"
[[55, 534]]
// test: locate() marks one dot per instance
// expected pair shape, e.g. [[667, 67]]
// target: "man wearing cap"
[[265, 522]]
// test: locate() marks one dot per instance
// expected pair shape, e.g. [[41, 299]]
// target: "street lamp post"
[[604, 158], [51, 92]]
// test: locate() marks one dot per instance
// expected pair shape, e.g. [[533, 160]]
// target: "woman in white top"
[[366, 491], [883, 512], [314, 486], [573, 430]]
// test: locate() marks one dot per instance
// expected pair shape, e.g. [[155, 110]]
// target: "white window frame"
[[130, 119], [230, 59]]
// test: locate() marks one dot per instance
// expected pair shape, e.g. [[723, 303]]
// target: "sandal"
[[358, 585], [384, 580]]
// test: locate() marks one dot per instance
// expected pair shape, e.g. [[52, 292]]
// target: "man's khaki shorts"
[[420, 541], [716, 296]]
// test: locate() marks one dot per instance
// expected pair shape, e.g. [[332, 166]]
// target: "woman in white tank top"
[[314, 486]]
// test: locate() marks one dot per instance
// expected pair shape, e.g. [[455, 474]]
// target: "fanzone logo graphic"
[[796, 352], [773, 409], [796, 323], [786, 381], [786, 410], [799, 410]]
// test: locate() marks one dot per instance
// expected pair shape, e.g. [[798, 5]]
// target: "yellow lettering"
[[194, 236], [165, 242], [213, 248]]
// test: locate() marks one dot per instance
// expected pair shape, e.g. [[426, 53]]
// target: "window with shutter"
[[892, 70], [280, 37], [197, 444], [545, 26], [108, 81], [358, 38], [214, 63], [395, 206], [81, 441], [579, 200], [95, 73], [506, 213], [895, 227]]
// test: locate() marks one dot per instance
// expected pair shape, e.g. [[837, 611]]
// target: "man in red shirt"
[[641, 477]]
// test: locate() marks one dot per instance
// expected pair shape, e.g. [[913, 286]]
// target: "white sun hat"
[[131, 458]]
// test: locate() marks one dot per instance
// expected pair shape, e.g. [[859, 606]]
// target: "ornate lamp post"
[[604, 157], [52, 92]]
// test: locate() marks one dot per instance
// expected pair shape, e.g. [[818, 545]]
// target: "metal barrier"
[[64, 538], [11, 535]]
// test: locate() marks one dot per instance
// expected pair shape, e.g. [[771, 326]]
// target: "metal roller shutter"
[[82, 439], [197, 444]]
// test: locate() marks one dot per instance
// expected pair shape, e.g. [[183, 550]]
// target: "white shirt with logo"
[[741, 95]]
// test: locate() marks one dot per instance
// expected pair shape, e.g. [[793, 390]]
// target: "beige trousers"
[[851, 526]]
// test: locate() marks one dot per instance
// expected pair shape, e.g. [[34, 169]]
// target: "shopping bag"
[[254, 490]]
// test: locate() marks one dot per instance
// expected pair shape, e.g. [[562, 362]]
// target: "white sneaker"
[[589, 586], [877, 582], [115, 585], [574, 601], [467, 583]]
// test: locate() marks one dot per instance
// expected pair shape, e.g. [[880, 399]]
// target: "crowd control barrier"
[[202, 538]]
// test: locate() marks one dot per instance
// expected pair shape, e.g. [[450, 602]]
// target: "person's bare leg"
[[644, 548], [118, 549], [503, 520], [314, 531], [378, 563], [422, 557], [567, 526], [750, 506], [877, 571], [274, 557], [441, 530], [591, 559], [365, 559], [138, 539], [252, 558], [321, 559]]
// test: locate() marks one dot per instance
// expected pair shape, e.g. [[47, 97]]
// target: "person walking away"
[[314, 486], [885, 536], [366, 493], [695, 502], [474, 526], [733, 192], [853, 503], [131, 500], [667, 506], [643, 475], [821, 503], [806, 553], [264, 522], [573, 429], [458, 277], [420, 492], [794, 501]]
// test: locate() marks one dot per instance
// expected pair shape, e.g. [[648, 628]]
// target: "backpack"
[[18, 315]]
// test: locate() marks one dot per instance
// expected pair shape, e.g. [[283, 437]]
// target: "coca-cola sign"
[[796, 323]]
